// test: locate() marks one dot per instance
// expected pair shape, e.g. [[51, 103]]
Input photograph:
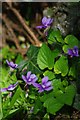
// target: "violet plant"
[[45, 85], [29, 78], [11, 64], [51, 75], [9, 88], [73, 52], [46, 22]]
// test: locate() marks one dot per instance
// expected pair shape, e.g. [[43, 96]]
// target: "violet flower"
[[44, 86], [11, 64], [9, 88], [73, 52], [45, 22], [29, 78]]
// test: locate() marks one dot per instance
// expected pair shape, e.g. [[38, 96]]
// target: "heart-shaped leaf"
[[45, 57], [67, 96], [54, 36], [61, 66], [70, 41]]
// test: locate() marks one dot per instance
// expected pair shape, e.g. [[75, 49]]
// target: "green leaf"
[[45, 96], [4, 75], [57, 84], [72, 71], [45, 57], [54, 36], [56, 53], [32, 59], [15, 97], [76, 103], [61, 66], [53, 105], [70, 92], [19, 59], [65, 48], [46, 117], [31, 62], [1, 113], [32, 96], [70, 41], [37, 106], [67, 96], [32, 52], [7, 54], [50, 74], [11, 103], [13, 111]]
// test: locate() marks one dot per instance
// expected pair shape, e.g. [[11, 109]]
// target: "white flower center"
[[43, 86], [30, 80]]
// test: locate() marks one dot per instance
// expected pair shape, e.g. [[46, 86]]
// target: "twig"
[[14, 26], [23, 52], [26, 27], [13, 37], [11, 31]]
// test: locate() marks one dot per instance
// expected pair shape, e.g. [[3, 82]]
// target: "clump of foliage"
[[52, 83]]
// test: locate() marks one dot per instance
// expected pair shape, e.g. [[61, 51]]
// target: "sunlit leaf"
[[54, 36], [45, 57], [70, 41], [61, 66]]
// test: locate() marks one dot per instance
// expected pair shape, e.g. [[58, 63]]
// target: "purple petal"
[[49, 88], [24, 78], [40, 27], [33, 76], [3, 89], [47, 21], [12, 87], [70, 52], [16, 65], [7, 62], [34, 80], [29, 82], [36, 85], [50, 21], [11, 64], [48, 84], [75, 51], [75, 47], [44, 80], [28, 74], [44, 20], [41, 90]]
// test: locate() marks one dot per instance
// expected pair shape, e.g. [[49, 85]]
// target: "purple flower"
[[9, 88], [29, 78], [45, 22], [73, 52], [11, 64], [44, 86]]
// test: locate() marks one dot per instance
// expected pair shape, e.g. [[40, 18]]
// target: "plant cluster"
[[47, 80]]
